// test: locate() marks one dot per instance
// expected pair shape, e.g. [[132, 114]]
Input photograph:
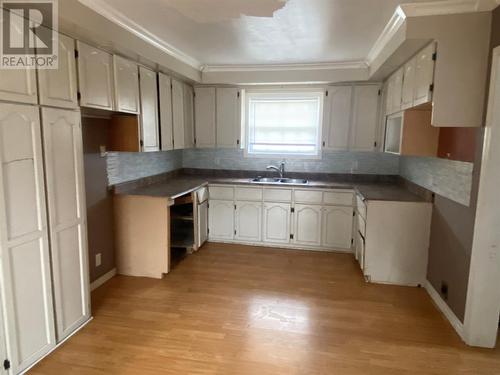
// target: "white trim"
[[58, 345], [120, 19], [282, 246], [284, 67], [445, 309], [101, 280], [448, 7]]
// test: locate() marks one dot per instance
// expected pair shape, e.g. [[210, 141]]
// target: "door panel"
[[126, 79], [166, 125], [58, 87], [408, 84], [202, 223], [178, 114], [221, 220], [337, 227], [424, 75], [276, 222], [67, 217], [24, 250], [204, 106], [337, 134], [365, 118], [307, 228], [228, 122], [149, 111], [248, 221], [188, 116]]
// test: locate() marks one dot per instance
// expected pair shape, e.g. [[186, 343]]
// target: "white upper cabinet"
[[149, 110], [407, 91], [95, 76], [24, 247], [248, 216], [228, 117], [58, 87], [188, 116], [337, 227], [18, 85], [204, 115], [307, 226], [126, 79], [178, 113], [394, 91], [276, 222], [365, 117], [336, 133], [424, 75], [62, 136], [165, 99]]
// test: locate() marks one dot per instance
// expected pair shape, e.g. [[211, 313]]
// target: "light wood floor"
[[240, 310]]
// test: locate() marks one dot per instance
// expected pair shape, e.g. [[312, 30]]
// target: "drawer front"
[[338, 199], [221, 192], [248, 194], [308, 196], [277, 195], [361, 207], [361, 225]]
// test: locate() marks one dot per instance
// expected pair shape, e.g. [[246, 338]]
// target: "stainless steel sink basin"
[[267, 180]]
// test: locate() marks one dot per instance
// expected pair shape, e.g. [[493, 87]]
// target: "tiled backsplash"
[[448, 178], [331, 162]]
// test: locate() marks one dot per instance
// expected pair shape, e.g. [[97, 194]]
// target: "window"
[[283, 123]]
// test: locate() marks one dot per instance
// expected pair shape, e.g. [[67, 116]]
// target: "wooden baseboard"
[[101, 280], [445, 309]]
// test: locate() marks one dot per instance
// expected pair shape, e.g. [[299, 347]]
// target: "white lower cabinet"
[[276, 222], [337, 227], [307, 225], [221, 220], [248, 220]]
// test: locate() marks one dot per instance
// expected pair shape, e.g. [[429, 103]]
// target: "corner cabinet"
[[95, 76], [150, 132], [337, 225]]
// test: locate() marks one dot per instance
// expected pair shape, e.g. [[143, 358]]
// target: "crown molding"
[[448, 7], [284, 67], [120, 19]]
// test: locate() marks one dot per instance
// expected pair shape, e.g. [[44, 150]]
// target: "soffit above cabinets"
[[273, 41]]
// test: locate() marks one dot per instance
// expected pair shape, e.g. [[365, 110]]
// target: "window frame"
[[319, 91]]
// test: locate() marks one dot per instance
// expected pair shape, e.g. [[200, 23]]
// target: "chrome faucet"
[[280, 169]]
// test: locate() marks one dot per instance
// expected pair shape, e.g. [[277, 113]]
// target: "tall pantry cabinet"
[[44, 285]]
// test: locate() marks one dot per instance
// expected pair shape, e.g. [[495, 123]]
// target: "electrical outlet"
[[444, 290], [98, 259]]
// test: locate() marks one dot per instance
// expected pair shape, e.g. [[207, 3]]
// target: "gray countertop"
[[177, 186]]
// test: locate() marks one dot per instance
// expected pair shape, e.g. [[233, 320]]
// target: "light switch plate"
[[98, 260]]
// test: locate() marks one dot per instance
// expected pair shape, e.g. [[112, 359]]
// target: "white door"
[[204, 116], [424, 75], [188, 116], [149, 110], [395, 91], [58, 87], [165, 99], [202, 223], [248, 220], [221, 220], [360, 251], [17, 85], [336, 135], [95, 77], [178, 113], [126, 85], [337, 227], [62, 138], [365, 118], [228, 121], [24, 248], [307, 226], [276, 222], [408, 89]]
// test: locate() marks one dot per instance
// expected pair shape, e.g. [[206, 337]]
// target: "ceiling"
[[259, 32]]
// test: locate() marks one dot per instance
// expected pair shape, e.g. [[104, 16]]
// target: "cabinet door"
[[307, 225], [62, 137], [336, 135], [165, 99], [396, 91], [95, 77], [204, 116], [24, 248], [365, 118], [178, 113], [408, 84], [202, 223], [221, 220], [337, 227], [424, 75], [149, 111], [126, 85], [277, 222], [248, 221], [188, 116], [17, 85], [58, 87], [228, 117], [360, 251]]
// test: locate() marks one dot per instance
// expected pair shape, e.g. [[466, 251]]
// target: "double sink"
[[270, 180]]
